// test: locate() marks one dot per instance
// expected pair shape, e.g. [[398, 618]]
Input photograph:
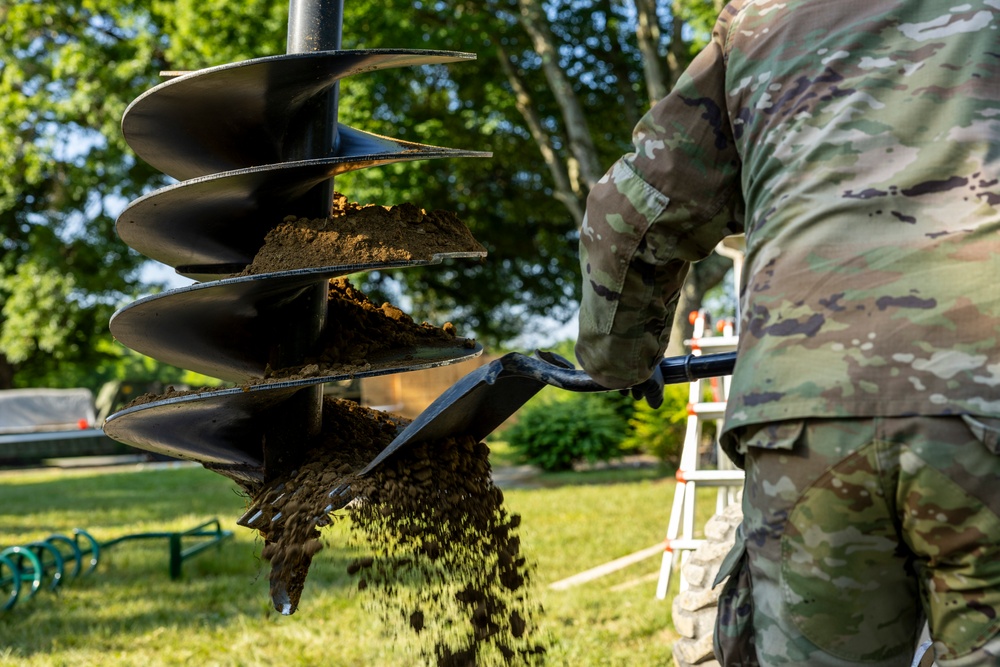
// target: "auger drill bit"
[[250, 143]]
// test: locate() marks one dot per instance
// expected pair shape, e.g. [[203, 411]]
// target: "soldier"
[[857, 144]]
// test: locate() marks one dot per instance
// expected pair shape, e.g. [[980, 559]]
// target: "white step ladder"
[[691, 474], [680, 529]]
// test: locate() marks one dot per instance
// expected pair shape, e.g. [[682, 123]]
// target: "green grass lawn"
[[129, 612]]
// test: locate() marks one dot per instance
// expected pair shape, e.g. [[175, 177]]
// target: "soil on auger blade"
[[358, 331], [356, 234], [443, 562]]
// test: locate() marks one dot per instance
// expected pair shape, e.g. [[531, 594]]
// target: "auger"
[[249, 144]]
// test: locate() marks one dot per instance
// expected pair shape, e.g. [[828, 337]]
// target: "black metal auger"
[[250, 143]]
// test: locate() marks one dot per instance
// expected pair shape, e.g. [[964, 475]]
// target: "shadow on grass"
[[524, 477], [162, 494]]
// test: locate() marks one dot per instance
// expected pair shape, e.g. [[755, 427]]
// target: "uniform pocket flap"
[[986, 431]]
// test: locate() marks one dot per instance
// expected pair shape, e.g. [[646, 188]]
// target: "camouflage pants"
[[854, 532]]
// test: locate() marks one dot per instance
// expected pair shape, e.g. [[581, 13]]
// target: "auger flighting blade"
[[185, 127], [222, 428], [211, 226], [226, 328]]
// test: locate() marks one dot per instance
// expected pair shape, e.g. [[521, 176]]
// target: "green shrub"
[[556, 433], [660, 432]]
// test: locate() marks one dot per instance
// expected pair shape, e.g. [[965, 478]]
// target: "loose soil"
[[351, 436], [444, 560], [361, 336], [356, 234]]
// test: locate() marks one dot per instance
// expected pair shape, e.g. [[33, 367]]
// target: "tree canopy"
[[554, 93]]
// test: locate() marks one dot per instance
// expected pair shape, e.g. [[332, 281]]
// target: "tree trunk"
[[675, 51], [631, 108], [584, 166], [564, 191], [6, 373], [647, 31]]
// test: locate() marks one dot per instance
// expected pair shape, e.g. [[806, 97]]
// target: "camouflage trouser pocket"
[[734, 637], [846, 585]]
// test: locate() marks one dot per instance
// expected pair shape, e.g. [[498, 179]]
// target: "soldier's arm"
[[658, 209]]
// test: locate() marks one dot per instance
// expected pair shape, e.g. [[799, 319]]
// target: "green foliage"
[[206, 33], [532, 270], [67, 71], [506, 201], [555, 434], [40, 303], [699, 17], [660, 432]]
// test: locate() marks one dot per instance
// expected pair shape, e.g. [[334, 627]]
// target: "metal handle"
[[685, 368]]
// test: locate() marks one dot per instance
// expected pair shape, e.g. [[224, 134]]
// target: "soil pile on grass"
[[355, 234], [444, 562]]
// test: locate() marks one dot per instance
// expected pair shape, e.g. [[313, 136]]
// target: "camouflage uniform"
[[857, 144]]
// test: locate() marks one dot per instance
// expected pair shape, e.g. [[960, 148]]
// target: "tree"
[[553, 94], [67, 72]]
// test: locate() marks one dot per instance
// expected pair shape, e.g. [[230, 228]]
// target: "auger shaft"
[[313, 25], [316, 25]]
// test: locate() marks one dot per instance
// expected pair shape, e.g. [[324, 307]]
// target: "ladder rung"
[[709, 410], [715, 343], [707, 477], [681, 545]]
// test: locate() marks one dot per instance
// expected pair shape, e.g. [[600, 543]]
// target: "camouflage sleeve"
[[660, 208]]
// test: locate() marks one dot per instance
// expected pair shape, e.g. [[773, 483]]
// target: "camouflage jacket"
[[858, 147]]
